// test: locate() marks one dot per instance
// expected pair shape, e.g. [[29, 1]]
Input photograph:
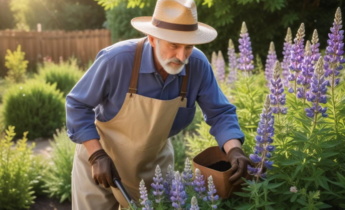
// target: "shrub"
[[58, 178], [35, 107], [19, 172], [16, 63], [65, 74]]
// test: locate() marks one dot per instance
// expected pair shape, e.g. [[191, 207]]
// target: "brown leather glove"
[[103, 169], [239, 162]]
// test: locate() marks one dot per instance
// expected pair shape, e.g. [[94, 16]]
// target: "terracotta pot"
[[213, 162]]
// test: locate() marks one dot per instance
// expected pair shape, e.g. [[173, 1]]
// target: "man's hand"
[[103, 169], [239, 162]]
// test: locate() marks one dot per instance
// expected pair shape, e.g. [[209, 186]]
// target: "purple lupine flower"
[[178, 195], [144, 200], [199, 184], [245, 59], [270, 62], [168, 179], [317, 92], [304, 78], [297, 54], [220, 63], [212, 193], [263, 147], [157, 185], [187, 174], [194, 204], [277, 96], [286, 57], [314, 47], [232, 76], [334, 51]]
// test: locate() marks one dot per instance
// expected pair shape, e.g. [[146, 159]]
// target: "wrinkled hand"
[[239, 162], [103, 169]]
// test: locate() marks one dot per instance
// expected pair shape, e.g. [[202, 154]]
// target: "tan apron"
[[137, 141]]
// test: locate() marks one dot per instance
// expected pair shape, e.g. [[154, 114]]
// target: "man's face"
[[172, 56]]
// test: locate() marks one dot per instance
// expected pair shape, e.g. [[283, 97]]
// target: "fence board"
[[83, 45]]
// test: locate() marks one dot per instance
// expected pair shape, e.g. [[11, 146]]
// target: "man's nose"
[[181, 54]]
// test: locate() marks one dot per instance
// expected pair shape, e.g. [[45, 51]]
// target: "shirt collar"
[[147, 64]]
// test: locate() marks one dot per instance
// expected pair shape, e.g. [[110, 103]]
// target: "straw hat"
[[175, 21]]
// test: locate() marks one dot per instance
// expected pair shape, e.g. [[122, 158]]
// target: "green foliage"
[[65, 75], [58, 176], [179, 151], [19, 172], [16, 64], [35, 107]]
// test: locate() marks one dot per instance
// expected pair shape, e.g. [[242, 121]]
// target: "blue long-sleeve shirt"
[[101, 91]]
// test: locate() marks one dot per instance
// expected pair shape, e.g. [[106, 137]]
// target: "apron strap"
[[136, 67]]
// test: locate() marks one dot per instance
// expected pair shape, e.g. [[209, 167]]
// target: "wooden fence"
[[83, 45]]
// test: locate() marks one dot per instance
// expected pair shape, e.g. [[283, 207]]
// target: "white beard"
[[165, 63]]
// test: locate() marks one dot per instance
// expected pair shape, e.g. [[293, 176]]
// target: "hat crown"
[[176, 11]]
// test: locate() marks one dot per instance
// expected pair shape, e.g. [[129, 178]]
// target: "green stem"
[[333, 104]]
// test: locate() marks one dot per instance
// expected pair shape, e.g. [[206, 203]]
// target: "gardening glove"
[[239, 162], [103, 169]]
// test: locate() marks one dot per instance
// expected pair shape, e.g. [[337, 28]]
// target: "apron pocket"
[[183, 118]]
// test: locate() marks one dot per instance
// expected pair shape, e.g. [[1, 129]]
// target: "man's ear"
[[151, 40]]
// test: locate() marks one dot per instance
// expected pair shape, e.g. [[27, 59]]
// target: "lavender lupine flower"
[[263, 147], [277, 96], [334, 51], [157, 185], [317, 92], [144, 201], [245, 60], [220, 63], [304, 78], [178, 195], [194, 204], [187, 174], [314, 47], [297, 54], [286, 57], [168, 179], [270, 62], [232, 76], [199, 184], [212, 193]]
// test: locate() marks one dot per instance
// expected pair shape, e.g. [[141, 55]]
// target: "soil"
[[42, 146]]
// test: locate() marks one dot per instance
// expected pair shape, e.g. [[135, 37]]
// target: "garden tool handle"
[[124, 192]]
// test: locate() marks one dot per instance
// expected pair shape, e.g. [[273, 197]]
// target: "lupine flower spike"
[[270, 62], [157, 185], [315, 45], [178, 195], [297, 54], [214, 62], [187, 174], [220, 64], [245, 60], [212, 196], [303, 80], [144, 200], [317, 93], [263, 147], [277, 96], [232, 76], [194, 204], [199, 184], [168, 179], [334, 51], [286, 57]]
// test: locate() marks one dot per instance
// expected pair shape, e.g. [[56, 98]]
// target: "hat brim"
[[204, 33]]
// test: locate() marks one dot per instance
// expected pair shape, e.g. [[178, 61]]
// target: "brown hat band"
[[173, 26]]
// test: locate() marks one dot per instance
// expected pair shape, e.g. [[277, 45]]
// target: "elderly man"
[[135, 96]]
